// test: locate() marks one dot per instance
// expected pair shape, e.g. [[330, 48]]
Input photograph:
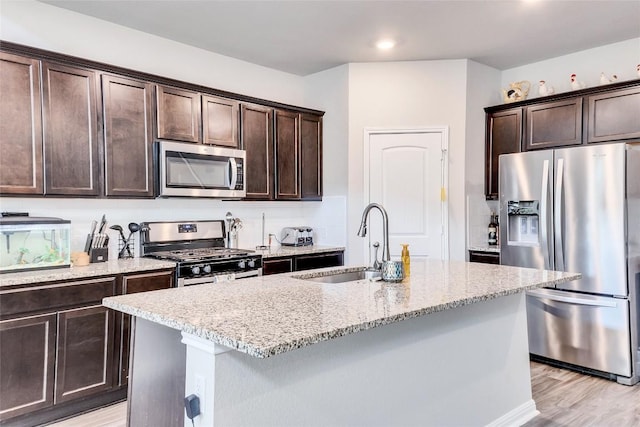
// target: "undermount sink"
[[342, 276]]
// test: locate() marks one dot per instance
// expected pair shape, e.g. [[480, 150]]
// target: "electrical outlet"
[[200, 391]]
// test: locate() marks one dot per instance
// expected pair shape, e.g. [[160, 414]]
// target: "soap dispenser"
[[406, 260]]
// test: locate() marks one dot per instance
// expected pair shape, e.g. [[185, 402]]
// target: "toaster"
[[296, 236]]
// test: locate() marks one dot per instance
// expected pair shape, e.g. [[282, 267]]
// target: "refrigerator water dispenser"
[[523, 222]]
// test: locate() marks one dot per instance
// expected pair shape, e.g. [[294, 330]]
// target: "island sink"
[[342, 276]]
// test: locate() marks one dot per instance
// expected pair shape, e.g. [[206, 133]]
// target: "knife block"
[[98, 254]]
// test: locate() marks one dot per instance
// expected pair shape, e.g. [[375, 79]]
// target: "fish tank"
[[34, 243]]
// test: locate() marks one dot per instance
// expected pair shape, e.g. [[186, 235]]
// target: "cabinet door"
[[128, 124], [220, 121], [179, 114], [20, 126], [27, 355], [72, 157], [257, 139], [554, 124], [132, 284], [84, 362], [278, 265], [614, 115], [311, 157], [504, 136], [287, 155]]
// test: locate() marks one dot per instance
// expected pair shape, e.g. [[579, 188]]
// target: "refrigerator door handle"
[[544, 215], [558, 216], [570, 300]]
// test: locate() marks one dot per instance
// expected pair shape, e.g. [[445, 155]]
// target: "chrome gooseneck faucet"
[[362, 232]]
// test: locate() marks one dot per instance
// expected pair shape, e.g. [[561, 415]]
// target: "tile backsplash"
[[478, 217]]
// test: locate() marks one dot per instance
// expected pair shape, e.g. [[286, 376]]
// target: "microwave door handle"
[[233, 171]]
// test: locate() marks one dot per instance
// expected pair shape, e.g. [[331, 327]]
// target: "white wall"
[[47, 27], [618, 58], [407, 94]]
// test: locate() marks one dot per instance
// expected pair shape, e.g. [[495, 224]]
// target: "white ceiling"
[[304, 37]]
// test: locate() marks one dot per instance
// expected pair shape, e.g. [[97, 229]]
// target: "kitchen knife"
[[103, 223], [89, 244]]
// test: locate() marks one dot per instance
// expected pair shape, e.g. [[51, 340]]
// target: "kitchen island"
[[447, 347]]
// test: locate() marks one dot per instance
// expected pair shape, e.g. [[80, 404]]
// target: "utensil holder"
[[392, 271], [126, 247]]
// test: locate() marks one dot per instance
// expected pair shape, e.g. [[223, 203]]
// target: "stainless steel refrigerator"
[[578, 209]]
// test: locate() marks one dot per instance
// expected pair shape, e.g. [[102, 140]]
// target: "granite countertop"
[[118, 266], [486, 248], [283, 251], [268, 315]]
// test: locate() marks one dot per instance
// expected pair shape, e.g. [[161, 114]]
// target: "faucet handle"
[[377, 265]]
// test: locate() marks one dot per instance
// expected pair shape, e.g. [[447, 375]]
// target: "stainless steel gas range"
[[198, 249]]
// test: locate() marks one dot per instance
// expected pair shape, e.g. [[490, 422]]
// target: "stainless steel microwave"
[[197, 170]]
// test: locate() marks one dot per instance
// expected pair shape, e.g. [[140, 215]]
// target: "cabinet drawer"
[[275, 266], [50, 297], [484, 257], [151, 281], [308, 262]]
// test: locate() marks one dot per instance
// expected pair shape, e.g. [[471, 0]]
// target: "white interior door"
[[406, 172]]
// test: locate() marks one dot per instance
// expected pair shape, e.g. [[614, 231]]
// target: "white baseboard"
[[517, 416]]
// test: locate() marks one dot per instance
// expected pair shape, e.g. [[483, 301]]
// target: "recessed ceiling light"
[[385, 44]]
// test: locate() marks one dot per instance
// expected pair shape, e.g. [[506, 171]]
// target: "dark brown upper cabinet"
[[21, 169], [287, 142], [179, 114], [554, 124], [72, 151], [257, 139], [128, 123], [504, 136], [613, 115], [311, 157], [220, 121]]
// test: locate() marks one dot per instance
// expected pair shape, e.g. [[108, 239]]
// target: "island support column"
[[463, 366]]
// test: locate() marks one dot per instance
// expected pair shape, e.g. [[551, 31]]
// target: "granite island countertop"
[[97, 269], [267, 315]]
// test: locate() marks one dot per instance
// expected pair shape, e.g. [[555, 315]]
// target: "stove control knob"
[[206, 269], [242, 263], [195, 270], [252, 263]]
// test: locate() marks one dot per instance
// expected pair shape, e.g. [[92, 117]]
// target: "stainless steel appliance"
[[296, 236], [198, 249], [578, 209], [197, 170]]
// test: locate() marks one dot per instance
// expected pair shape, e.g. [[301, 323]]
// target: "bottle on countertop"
[[406, 259], [492, 231], [497, 230]]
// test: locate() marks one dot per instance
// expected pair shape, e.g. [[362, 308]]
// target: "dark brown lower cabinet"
[[131, 284], [302, 262], [484, 257], [84, 364], [27, 356]]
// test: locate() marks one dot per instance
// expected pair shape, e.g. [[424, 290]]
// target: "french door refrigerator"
[[578, 209]]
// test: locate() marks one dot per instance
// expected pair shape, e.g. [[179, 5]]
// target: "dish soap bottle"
[[406, 260]]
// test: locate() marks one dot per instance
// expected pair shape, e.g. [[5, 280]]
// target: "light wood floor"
[[564, 399]]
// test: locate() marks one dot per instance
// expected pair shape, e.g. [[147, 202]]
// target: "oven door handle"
[[233, 173]]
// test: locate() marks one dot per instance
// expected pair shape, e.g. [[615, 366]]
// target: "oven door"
[[197, 170], [218, 278]]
